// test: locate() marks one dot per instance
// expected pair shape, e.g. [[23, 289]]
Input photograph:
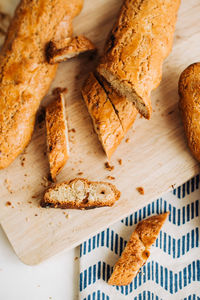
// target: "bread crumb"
[[8, 203], [127, 140], [173, 186], [110, 178], [76, 258], [120, 161], [72, 130], [8, 186], [46, 182], [140, 190], [36, 215], [108, 166], [80, 173], [67, 216]]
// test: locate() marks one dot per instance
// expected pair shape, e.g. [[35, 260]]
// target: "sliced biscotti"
[[80, 193], [125, 109], [105, 120], [139, 42], [59, 51], [136, 251], [57, 135], [189, 91]]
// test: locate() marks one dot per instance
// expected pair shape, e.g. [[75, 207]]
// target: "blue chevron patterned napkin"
[[173, 269]]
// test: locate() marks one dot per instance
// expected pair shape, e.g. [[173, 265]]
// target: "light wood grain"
[[155, 157]]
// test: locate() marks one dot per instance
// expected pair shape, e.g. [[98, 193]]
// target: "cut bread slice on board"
[[136, 251], [62, 50], [57, 135], [125, 109], [80, 193], [105, 120]]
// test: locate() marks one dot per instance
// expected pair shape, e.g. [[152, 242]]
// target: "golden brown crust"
[[189, 91], [25, 75], [59, 51], [57, 135], [139, 42], [137, 252], [86, 203], [105, 119], [125, 109]]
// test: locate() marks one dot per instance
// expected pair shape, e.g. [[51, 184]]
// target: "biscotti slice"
[[139, 42], [80, 193], [104, 117], [57, 135], [125, 109], [189, 91], [136, 251], [63, 50]]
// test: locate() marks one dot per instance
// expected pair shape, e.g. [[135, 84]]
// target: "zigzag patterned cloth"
[[173, 269]]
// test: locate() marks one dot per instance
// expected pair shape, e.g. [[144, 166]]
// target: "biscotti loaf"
[[136, 251], [189, 91], [57, 135], [59, 51], [25, 75], [139, 42], [80, 193], [105, 120]]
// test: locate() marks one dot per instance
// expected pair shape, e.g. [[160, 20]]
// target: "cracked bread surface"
[[137, 249], [80, 193], [25, 75], [57, 135], [136, 47], [59, 51], [105, 120], [189, 105]]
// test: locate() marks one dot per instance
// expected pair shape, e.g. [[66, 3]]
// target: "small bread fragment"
[[80, 193], [105, 120], [57, 135], [137, 252], [62, 50], [189, 104], [125, 109]]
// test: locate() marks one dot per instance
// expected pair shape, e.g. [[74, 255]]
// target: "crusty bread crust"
[[59, 51], [83, 193], [57, 135], [25, 75], [105, 120], [136, 251], [139, 42], [125, 109], [189, 91]]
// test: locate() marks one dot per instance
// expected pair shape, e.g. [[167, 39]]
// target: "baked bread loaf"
[[105, 120], [25, 75], [139, 42], [80, 193], [57, 135], [189, 104], [136, 251], [59, 51], [125, 109]]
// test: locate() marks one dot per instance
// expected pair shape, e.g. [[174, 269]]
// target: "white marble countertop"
[[55, 279]]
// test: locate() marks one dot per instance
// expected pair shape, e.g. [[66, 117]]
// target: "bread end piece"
[[80, 193], [136, 251], [189, 91], [105, 120], [59, 51], [57, 135]]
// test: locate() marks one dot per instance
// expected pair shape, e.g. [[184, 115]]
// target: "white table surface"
[[55, 279]]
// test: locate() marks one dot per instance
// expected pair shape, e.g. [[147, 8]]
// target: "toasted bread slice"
[[57, 135], [125, 109], [137, 252], [62, 50], [105, 120], [80, 193]]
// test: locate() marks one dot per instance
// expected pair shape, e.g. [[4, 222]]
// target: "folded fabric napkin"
[[173, 269]]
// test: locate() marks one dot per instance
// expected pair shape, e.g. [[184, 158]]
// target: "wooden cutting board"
[[154, 154]]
